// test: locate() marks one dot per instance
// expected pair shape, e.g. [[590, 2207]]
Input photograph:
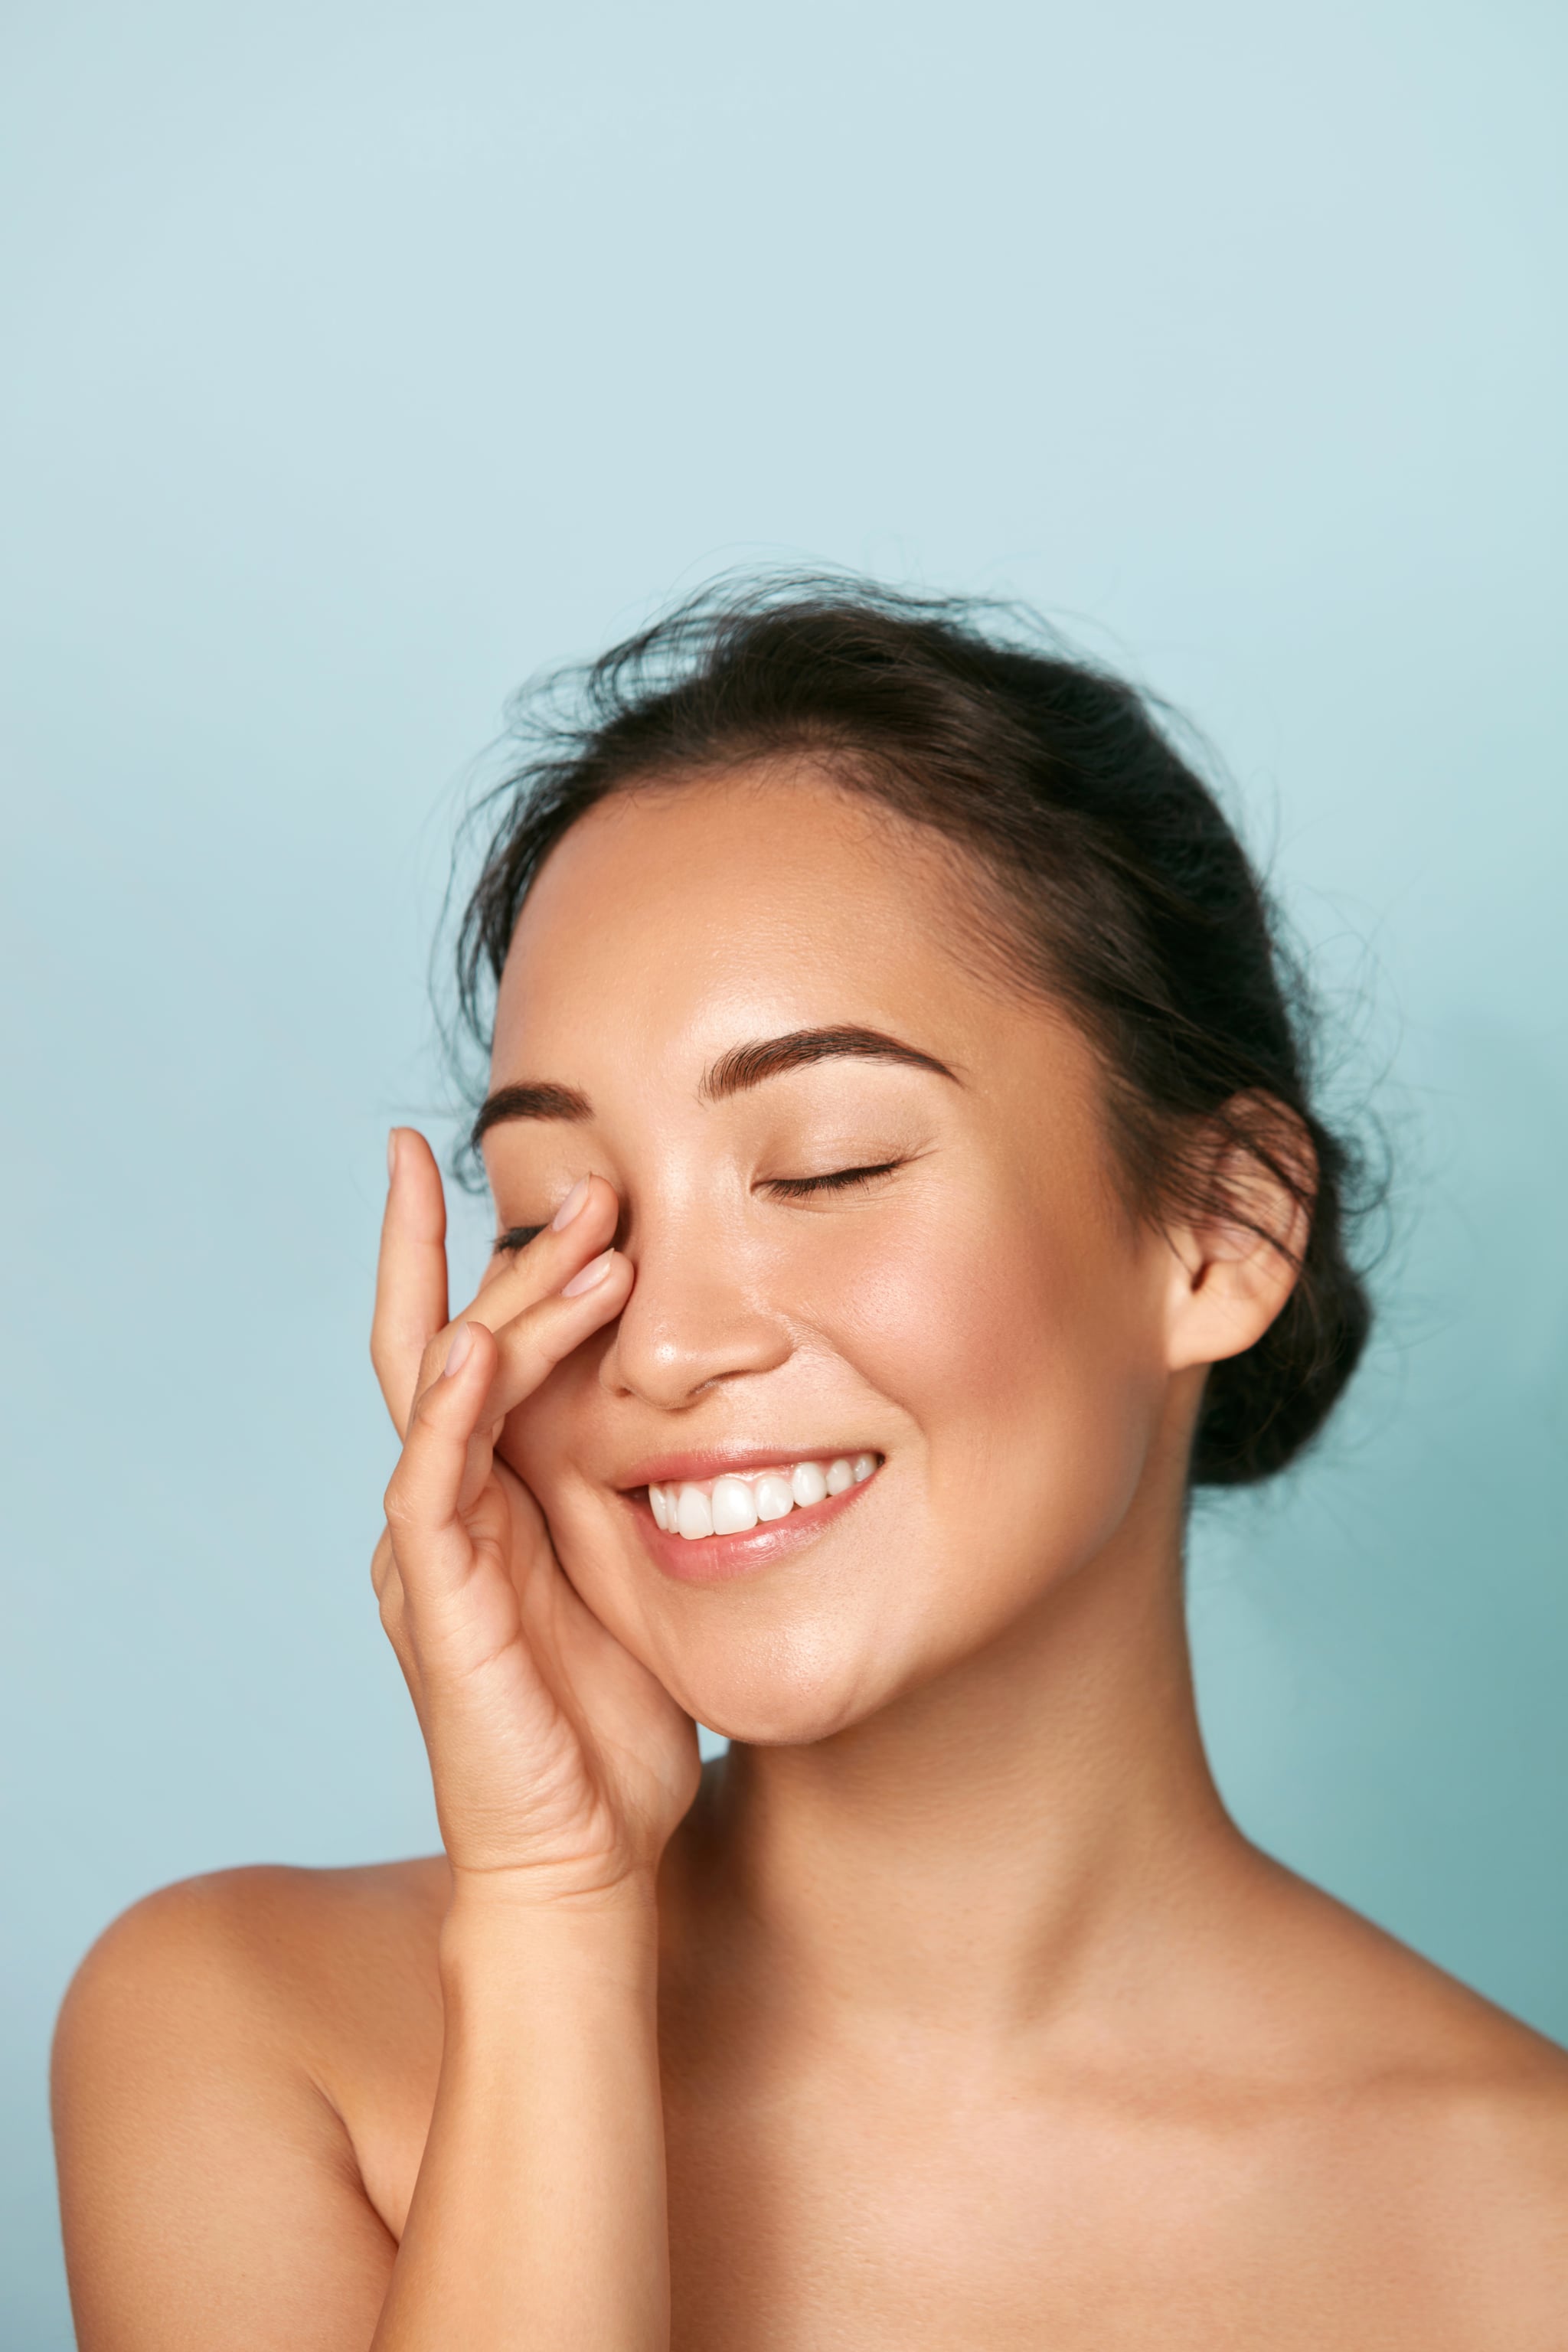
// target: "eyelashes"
[[783, 1188], [516, 1238], [837, 1180]]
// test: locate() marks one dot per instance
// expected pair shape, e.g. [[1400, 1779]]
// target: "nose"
[[696, 1317]]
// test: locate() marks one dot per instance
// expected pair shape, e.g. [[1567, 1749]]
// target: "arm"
[[539, 2217], [211, 2191], [559, 1766], [209, 2194]]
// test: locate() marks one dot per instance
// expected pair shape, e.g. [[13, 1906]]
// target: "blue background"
[[366, 358]]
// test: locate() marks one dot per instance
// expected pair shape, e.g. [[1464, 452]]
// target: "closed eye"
[[837, 1180], [783, 1187], [516, 1238]]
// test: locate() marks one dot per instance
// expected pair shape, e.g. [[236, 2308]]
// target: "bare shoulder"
[[1450, 2125], [275, 1908], [306, 1959], [225, 2048], [1477, 2102], [1415, 2020]]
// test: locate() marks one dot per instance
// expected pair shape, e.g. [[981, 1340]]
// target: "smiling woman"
[[908, 1187]]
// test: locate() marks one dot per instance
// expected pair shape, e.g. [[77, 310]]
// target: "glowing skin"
[[954, 2010], [985, 1317]]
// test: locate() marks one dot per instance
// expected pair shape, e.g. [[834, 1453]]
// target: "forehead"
[[674, 919]]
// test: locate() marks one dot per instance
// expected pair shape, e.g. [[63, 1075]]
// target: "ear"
[[1236, 1248]]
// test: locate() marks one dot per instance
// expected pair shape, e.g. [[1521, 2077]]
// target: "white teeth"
[[735, 1506], [774, 1500], [808, 1484], [693, 1513]]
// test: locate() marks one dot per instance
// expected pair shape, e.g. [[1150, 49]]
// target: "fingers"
[[515, 1279], [430, 1548], [411, 1276], [472, 1378], [522, 1278], [411, 1341], [531, 1344], [383, 1567], [387, 1586]]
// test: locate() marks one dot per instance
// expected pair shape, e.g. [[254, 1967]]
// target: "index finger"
[[411, 1273]]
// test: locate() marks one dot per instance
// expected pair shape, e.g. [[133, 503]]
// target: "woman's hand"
[[561, 1765]]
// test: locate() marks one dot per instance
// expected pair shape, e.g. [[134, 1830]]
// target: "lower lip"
[[713, 1560]]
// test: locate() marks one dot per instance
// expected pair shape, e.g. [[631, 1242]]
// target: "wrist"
[[582, 1889], [515, 1985], [523, 1923]]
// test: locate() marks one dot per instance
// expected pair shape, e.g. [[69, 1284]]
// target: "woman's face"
[[979, 1318]]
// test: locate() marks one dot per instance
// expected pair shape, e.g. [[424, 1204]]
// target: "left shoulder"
[[1446, 2127], [1497, 2105], [1491, 2090], [1489, 2160]]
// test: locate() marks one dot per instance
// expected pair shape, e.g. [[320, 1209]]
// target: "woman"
[[908, 1188]]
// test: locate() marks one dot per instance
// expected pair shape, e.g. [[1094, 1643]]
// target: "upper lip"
[[713, 1461]]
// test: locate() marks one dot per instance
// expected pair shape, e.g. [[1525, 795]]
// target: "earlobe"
[[1225, 1304], [1235, 1262]]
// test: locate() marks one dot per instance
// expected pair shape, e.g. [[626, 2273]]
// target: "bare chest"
[[814, 2217], [1011, 2228]]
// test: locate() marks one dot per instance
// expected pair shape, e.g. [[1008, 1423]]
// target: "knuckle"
[[425, 1409], [398, 1504], [425, 1395]]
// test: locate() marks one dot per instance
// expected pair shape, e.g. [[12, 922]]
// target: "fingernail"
[[458, 1354], [592, 1275], [392, 1156], [569, 1206]]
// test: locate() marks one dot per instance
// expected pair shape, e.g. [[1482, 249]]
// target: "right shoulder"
[[205, 2069], [267, 1923], [290, 1961]]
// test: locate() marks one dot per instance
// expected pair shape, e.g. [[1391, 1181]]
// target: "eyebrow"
[[528, 1100], [733, 1073], [749, 1065]]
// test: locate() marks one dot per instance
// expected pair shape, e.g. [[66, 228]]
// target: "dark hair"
[[1122, 890]]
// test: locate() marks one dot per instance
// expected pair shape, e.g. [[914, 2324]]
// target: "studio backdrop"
[[363, 360]]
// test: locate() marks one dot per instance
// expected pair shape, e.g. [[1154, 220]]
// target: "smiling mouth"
[[738, 1501]]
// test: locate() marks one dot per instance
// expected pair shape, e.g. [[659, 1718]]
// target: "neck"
[[1035, 1822]]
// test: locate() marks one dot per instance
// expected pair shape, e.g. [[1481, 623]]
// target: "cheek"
[[1023, 1350], [982, 1319], [924, 1317], [541, 1438]]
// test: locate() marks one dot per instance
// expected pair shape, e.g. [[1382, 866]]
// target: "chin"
[[741, 1709], [781, 1686]]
